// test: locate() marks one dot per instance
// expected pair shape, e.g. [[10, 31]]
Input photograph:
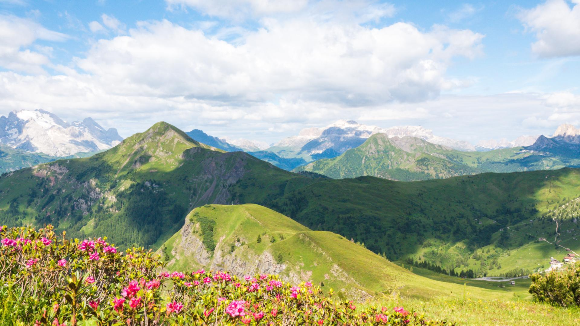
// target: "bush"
[[49, 280], [560, 287]]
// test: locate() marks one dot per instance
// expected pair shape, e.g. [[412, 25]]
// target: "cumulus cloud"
[[16, 35], [325, 62], [556, 24]]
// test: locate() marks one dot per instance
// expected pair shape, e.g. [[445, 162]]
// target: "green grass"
[[313, 253]]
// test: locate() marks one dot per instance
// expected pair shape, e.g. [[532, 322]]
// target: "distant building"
[[570, 258], [554, 265]]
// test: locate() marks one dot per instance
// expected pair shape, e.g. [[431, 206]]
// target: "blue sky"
[[264, 69]]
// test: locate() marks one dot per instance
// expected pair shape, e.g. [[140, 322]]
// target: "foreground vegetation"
[[49, 280]]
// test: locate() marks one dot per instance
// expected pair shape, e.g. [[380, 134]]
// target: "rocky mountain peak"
[[566, 130], [41, 131]]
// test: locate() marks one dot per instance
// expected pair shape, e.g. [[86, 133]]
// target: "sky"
[[265, 69]]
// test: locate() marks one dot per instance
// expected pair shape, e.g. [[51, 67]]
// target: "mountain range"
[[140, 191], [410, 158], [40, 131]]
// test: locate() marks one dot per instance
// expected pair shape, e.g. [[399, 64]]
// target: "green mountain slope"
[[140, 191], [405, 158], [137, 192], [412, 159], [250, 239]]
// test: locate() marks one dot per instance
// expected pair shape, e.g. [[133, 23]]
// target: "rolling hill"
[[251, 239]]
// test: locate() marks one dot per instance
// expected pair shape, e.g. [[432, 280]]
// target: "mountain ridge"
[[40, 131]]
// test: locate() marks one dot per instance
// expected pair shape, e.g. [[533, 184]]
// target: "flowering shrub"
[[49, 280]]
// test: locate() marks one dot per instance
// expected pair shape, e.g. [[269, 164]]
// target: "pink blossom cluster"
[[131, 290], [221, 276], [177, 275], [295, 291], [31, 262], [87, 245], [401, 311], [236, 308], [153, 284], [174, 307]]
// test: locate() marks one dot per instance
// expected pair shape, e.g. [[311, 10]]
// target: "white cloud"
[[465, 11], [96, 27], [300, 59], [557, 28], [113, 23], [16, 34], [229, 8]]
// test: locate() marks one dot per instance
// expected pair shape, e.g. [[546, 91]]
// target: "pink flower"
[[274, 312], [62, 263], [118, 304], [46, 241], [308, 284], [269, 288], [94, 256], [207, 280], [380, 318], [247, 277], [174, 307], [23, 241], [8, 242], [246, 320], [164, 275], [275, 283], [87, 245], [177, 275], [188, 284], [258, 315], [221, 299], [134, 303], [237, 285], [94, 304], [101, 241], [31, 262], [208, 312], [90, 280], [131, 290], [110, 249], [201, 271], [196, 283], [263, 277], [295, 291], [254, 287], [236, 308], [401, 311], [153, 284]]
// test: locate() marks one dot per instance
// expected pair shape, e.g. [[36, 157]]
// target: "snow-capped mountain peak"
[[44, 132], [44, 119]]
